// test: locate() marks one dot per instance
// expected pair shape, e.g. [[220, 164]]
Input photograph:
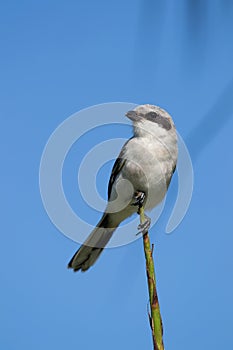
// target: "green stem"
[[155, 316]]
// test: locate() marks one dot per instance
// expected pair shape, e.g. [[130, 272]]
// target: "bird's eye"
[[151, 116], [159, 119]]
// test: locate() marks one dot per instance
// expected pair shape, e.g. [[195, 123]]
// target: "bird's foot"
[[144, 227], [139, 198]]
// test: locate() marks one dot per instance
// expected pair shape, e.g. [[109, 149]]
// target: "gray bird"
[[140, 176]]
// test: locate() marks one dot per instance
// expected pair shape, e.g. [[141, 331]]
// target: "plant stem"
[[155, 316]]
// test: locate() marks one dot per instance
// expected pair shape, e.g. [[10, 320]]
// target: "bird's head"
[[150, 119]]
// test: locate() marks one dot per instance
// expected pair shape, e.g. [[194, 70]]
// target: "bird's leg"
[[144, 227], [139, 197]]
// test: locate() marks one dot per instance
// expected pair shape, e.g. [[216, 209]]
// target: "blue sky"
[[58, 57]]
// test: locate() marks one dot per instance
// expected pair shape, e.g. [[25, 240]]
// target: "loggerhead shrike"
[[140, 176]]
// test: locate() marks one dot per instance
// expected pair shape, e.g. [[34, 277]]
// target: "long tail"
[[91, 249]]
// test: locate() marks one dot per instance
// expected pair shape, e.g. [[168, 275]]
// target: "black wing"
[[117, 167]]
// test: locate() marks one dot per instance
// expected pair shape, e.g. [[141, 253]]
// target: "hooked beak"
[[133, 115]]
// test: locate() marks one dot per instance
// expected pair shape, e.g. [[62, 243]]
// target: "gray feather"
[[89, 252]]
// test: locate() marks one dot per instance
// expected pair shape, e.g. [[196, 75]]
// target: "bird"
[[140, 177]]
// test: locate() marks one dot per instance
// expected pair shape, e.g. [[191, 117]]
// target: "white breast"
[[149, 165]]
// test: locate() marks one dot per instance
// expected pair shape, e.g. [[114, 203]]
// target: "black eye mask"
[[151, 116], [157, 118]]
